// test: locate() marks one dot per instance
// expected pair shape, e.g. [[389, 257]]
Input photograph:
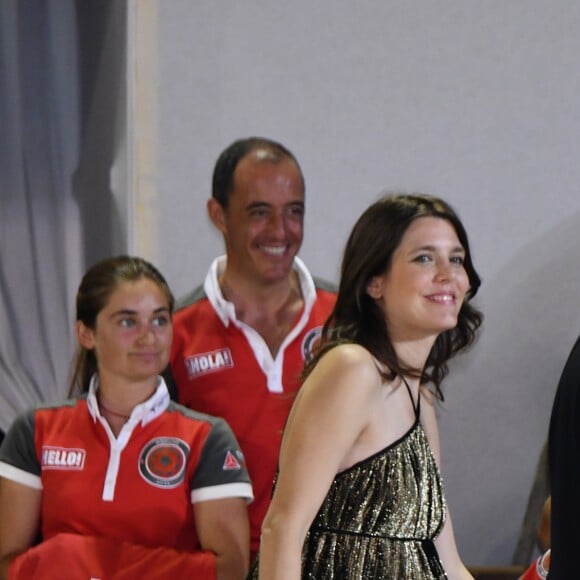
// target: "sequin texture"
[[380, 517]]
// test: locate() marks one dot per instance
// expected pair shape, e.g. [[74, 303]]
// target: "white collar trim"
[[226, 310], [144, 413]]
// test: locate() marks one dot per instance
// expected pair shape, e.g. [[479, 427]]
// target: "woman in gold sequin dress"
[[359, 493]]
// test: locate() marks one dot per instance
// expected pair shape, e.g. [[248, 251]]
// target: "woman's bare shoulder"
[[429, 397], [343, 366], [349, 356]]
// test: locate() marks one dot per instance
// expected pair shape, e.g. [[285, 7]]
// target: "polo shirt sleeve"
[[221, 471], [18, 459]]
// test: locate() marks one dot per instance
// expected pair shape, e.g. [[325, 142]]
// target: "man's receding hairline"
[[265, 154]]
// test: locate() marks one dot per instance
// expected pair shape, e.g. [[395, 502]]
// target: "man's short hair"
[[225, 167]]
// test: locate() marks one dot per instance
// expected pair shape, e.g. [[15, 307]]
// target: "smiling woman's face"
[[423, 290]]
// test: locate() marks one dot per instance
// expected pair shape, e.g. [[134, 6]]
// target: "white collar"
[[226, 310], [145, 412]]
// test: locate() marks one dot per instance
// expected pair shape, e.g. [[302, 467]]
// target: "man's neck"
[[271, 310]]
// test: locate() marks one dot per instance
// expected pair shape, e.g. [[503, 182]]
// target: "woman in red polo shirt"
[[121, 482]]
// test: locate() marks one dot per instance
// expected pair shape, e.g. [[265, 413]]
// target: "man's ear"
[[216, 214], [375, 287], [85, 335]]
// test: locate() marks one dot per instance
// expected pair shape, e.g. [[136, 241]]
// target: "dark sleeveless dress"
[[380, 517]]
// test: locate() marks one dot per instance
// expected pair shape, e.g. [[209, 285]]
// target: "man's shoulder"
[[324, 285], [196, 296], [325, 296], [195, 311]]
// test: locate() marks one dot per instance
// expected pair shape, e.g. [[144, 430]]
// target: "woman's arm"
[[447, 550], [445, 541], [19, 520], [223, 528], [331, 411]]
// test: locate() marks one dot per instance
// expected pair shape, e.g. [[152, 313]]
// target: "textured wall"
[[476, 102]]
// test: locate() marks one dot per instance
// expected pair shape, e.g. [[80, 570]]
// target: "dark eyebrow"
[[257, 204], [129, 312], [263, 204], [124, 312], [455, 250]]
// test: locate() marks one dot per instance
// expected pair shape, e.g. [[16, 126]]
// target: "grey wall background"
[[474, 101]]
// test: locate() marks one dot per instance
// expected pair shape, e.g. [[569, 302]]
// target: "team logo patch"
[[162, 461], [231, 463], [310, 342], [209, 362], [63, 458]]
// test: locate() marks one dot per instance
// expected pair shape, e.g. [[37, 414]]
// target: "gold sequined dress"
[[380, 517]]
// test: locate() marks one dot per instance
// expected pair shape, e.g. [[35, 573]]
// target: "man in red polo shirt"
[[241, 339]]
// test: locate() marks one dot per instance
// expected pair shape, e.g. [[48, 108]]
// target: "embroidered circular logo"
[[162, 461], [310, 342]]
